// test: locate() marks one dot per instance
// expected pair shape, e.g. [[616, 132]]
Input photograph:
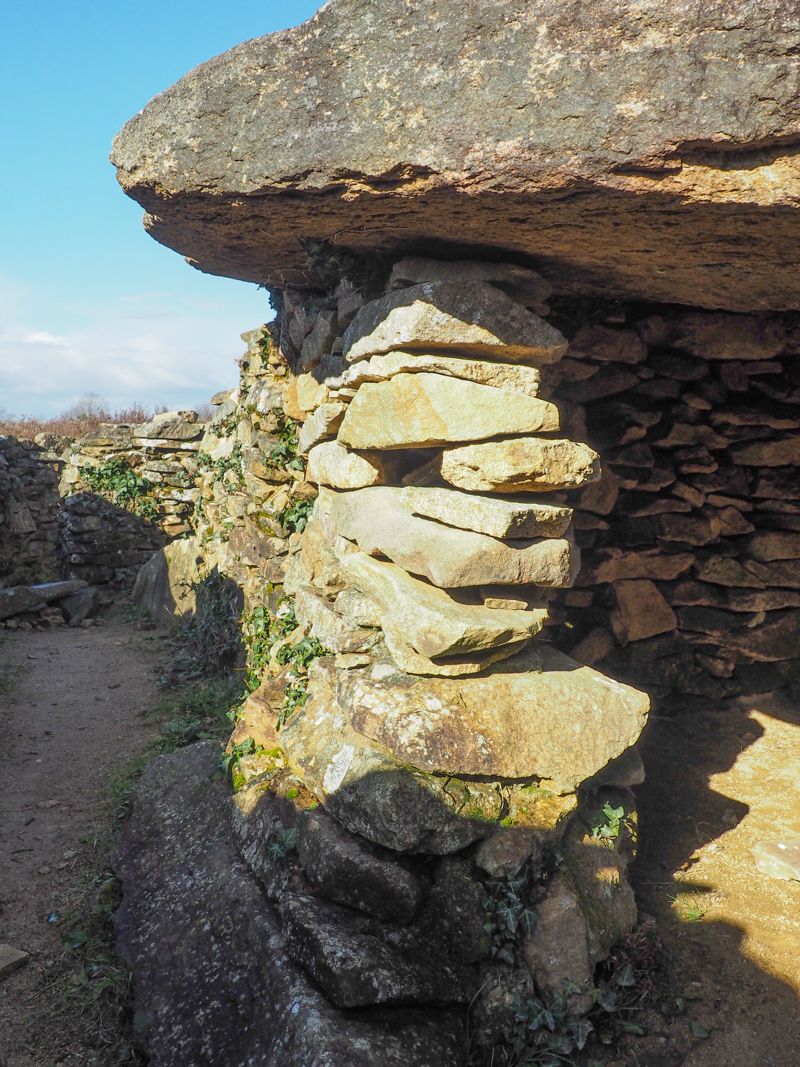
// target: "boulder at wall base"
[[538, 714], [670, 128], [373, 794], [165, 585], [197, 931]]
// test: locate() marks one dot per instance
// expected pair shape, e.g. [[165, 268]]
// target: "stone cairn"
[[439, 753]]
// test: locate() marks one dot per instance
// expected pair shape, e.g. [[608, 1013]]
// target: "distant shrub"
[[81, 419]]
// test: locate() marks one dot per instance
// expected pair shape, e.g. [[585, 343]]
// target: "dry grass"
[[81, 419]]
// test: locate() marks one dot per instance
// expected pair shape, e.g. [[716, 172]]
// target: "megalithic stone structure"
[[449, 764]]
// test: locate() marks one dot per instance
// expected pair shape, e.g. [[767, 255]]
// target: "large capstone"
[[624, 150]]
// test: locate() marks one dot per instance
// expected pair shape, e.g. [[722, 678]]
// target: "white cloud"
[[154, 348], [43, 338]]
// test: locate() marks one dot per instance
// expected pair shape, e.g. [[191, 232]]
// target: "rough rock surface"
[[594, 138], [373, 794], [430, 619], [488, 515], [520, 465], [177, 861], [514, 376], [420, 410], [469, 317], [377, 521], [538, 714]]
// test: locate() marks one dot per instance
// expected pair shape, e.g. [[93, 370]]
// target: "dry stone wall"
[[410, 712], [28, 511], [690, 584], [404, 482], [126, 491]]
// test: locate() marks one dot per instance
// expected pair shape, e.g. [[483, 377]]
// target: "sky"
[[88, 302]]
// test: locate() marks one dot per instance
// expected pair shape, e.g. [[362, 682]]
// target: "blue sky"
[[89, 302]]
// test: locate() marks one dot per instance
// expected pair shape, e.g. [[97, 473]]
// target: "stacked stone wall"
[[690, 583], [29, 473], [125, 492]]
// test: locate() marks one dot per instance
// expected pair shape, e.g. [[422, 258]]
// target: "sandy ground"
[[68, 722], [717, 783]]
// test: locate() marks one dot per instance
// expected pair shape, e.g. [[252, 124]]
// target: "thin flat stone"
[[378, 522], [430, 619], [490, 515], [512, 376], [471, 317], [421, 410]]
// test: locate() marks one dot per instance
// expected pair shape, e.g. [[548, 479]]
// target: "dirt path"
[[68, 722], [717, 783]]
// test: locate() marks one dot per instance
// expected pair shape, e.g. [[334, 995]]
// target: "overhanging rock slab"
[[622, 149]]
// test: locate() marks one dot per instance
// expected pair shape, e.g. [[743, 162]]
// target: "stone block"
[[330, 463], [469, 317], [378, 522], [490, 515], [421, 410], [519, 465]]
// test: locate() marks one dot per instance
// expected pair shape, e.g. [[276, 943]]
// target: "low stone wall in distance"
[[28, 511]]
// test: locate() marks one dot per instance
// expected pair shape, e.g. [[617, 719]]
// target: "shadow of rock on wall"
[[28, 508], [716, 784], [102, 542]]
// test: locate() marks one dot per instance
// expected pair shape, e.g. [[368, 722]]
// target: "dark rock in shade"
[[79, 606], [343, 868], [16, 599], [356, 969], [776, 638], [591, 139], [221, 991]]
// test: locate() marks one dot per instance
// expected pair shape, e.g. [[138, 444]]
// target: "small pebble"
[[778, 859]]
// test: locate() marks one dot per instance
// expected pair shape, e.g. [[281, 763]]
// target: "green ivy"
[[285, 452], [119, 483], [295, 516], [220, 467]]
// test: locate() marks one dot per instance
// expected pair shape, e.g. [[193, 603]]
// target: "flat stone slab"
[[421, 410], [538, 714], [606, 171], [430, 619], [513, 376], [11, 959], [379, 523], [520, 465], [488, 515], [470, 317], [330, 463], [55, 590], [171, 426], [778, 859]]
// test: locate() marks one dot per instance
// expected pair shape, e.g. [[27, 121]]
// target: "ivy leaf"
[[699, 1030], [625, 976], [580, 1030]]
